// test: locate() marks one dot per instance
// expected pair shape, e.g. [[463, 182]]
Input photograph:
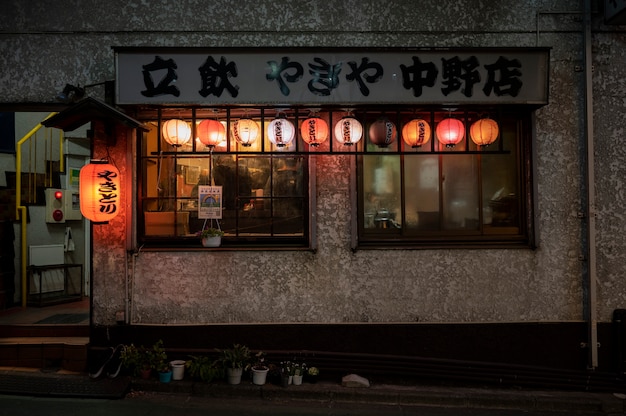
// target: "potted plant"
[[259, 369], [298, 371], [234, 360], [211, 237], [158, 358], [312, 374], [204, 368], [137, 360]]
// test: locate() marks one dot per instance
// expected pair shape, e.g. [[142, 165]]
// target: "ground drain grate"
[[38, 384]]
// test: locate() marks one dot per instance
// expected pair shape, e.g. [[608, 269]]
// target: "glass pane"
[[500, 185], [421, 189], [381, 186], [460, 192]]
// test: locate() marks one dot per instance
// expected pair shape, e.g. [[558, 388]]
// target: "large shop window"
[[438, 195], [264, 194], [416, 186]]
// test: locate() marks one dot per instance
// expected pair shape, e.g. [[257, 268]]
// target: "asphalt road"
[[153, 404]]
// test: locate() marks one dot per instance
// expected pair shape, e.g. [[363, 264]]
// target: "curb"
[[403, 396]]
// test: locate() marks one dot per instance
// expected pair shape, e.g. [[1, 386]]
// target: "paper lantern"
[[383, 132], [484, 131], [246, 131], [314, 131], [450, 131], [348, 131], [176, 132], [416, 132], [100, 191], [211, 132], [281, 131]]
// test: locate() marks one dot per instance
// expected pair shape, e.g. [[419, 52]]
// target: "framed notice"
[[209, 202]]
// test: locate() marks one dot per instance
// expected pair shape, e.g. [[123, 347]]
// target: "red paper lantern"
[[416, 132], [281, 132], [348, 131], [314, 131], [100, 191], [246, 131], [176, 132], [484, 131], [450, 131], [211, 132], [383, 132]]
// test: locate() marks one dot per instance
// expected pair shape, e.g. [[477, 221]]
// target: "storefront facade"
[[507, 253]]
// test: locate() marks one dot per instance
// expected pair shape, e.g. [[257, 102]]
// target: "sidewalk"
[[36, 383]]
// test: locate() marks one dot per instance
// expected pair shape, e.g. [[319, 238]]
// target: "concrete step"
[[46, 353]]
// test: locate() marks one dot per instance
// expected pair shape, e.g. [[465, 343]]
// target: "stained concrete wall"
[[45, 44]]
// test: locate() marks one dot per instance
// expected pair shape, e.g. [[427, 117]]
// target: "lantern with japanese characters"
[[383, 132], [176, 132], [100, 191], [450, 131], [484, 131], [281, 131], [211, 132], [314, 131], [348, 131], [246, 131], [416, 132]]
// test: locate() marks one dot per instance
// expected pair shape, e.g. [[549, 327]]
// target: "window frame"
[[446, 239]]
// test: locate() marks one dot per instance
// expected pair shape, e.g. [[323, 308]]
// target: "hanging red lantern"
[[281, 132], [176, 132], [416, 132], [246, 131], [348, 131], [100, 191], [484, 131], [211, 132], [383, 132], [314, 131], [450, 131]]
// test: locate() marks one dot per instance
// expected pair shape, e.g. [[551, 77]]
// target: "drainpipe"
[[21, 209], [591, 199]]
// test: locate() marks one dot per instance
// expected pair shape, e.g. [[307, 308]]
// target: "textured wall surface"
[[46, 44]]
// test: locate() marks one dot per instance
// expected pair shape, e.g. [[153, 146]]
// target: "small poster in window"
[[209, 202]]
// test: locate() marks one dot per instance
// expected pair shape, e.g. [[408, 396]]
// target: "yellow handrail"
[[19, 208]]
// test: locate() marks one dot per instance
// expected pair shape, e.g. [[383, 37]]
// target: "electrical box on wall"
[[72, 206], [62, 205], [55, 205]]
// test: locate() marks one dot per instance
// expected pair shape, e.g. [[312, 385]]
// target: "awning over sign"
[[87, 110]]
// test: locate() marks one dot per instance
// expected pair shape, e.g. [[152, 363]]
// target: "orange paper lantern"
[[383, 132], [484, 131], [314, 131], [100, 191], [211, 132], [176, 132], [450, 131], [246, 131], [348, 131], [416, 132]]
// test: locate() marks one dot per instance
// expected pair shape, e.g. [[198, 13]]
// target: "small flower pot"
[[178, 369], [165, 376], [212, 241], [259, 375], [233, 375], [297, 380]]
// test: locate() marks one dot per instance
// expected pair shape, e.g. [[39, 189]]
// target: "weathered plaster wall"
[[50, 43]]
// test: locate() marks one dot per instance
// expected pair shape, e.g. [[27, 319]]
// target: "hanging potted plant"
[[259, 369], [234, 360], [211, 237]]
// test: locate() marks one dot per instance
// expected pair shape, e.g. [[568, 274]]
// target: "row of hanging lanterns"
[[348, 131]]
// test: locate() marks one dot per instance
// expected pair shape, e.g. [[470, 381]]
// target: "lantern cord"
[[158, 187]]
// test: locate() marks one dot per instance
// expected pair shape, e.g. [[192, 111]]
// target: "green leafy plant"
[[210, 232], [204, 368], [259, 361], [236, 357], [158, 357]]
